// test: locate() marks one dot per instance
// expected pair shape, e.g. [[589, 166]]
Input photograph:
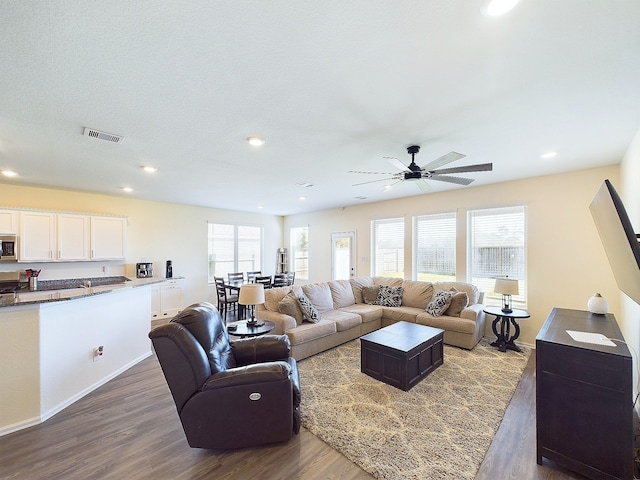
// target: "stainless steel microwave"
[[8, 247]]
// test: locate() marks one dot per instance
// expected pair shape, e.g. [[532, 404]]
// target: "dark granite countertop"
[[62, 290]]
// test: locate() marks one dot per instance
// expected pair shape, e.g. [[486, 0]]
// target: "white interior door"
[[343, 255]]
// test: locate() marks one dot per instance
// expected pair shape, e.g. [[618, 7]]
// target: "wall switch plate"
[[97, 353]]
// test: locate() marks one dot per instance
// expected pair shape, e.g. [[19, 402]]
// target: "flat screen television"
[[618, 238]]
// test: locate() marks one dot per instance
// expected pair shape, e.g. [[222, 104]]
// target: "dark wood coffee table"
[[402, 354]]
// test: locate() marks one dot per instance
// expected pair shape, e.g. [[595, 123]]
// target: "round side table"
[[504, 340], [242, 329]]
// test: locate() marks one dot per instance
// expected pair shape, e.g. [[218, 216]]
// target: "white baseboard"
[[61, 406]]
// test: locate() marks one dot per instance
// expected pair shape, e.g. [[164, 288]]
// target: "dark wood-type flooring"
[[129, 429]]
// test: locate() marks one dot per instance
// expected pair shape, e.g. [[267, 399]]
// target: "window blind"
[[388, 247], [435, 247]]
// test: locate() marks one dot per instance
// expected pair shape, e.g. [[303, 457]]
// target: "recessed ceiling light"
[[548, 155], [387, 187], [127, 189], [255, 141], [361, 198], [149, 169], [494, 8], [302, 198], [9, 173], [260, 207]]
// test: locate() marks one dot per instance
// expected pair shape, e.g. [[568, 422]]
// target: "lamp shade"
[[506, 286], [251, 294]]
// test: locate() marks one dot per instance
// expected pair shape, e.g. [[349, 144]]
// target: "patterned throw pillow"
[[310, 312], [439, 303], [389, 296], [370, 294], [289, 305]]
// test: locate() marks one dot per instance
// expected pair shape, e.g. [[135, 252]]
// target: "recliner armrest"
[[267, 348], [248, 375]]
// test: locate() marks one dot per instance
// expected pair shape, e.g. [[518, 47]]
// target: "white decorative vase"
[[597, 304]]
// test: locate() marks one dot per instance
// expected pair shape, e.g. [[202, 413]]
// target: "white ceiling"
[[332, 86]]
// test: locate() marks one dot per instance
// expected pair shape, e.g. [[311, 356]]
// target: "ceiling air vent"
[[109, 137]]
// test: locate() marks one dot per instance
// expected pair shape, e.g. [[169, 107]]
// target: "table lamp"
[[507, 287], [251, 294]]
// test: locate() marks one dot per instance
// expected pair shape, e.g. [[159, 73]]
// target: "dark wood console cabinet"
[[584, 397]]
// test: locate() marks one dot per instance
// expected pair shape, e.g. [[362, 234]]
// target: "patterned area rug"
[[440, 429]]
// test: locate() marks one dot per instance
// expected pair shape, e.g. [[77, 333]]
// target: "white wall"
[[629, 178], [156, 230], [566, 261]]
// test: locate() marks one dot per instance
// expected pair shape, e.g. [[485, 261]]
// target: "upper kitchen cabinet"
[[37, 237], [108, 238], [8, 221], [72, 237]]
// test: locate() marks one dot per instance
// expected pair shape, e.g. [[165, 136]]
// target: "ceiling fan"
[[417, 174]]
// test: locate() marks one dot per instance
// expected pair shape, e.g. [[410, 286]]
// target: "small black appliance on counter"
[[144, 270], [169, 269]]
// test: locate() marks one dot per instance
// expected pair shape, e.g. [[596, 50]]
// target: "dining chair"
[[265, 280], [251, 276], [291, 277], [280, 280], [225, 300], [235, 277]]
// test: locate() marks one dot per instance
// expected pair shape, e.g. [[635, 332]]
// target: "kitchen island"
[[48, 339]]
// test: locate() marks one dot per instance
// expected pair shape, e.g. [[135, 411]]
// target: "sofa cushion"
[[401, 314], [388, 281], [357, 283], [368, 313], [272, 297], [439, 303], [341, 293], [452, 324], [370, 294], [311, 331], [320, 296], [344, 320], [472, 290], [310, 312], [389, 296], [416, 294], [459, 300], [290, 305]]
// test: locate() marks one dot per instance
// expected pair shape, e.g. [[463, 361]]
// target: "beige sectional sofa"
[[345, 316]]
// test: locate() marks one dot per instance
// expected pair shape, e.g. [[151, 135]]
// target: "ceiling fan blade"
[[446, 178], [370, 173], [389, 187], [373, 181], [481, 167], [397, 163], [422, 185], [443, 160]]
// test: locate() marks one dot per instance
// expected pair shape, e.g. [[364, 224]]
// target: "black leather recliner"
[[228, 394]]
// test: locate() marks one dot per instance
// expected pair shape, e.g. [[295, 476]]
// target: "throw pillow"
[[389, 296], [459, 301], [439, 303], [310, 312], [289, 305], [370, 294]]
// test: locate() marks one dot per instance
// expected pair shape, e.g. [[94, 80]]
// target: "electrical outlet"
[[97, 353], [105, 269]]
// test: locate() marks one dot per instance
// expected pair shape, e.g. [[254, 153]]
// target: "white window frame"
[[494, 235], [435, 242], [237, 264], [383, 258], [299, 254]]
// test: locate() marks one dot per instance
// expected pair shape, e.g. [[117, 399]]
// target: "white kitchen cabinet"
[[37, 236], [108, 238], [171, 298], [72, 237], [8, 221], [155, 302]]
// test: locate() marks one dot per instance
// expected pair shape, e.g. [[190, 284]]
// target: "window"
[[497, 248], [234, 248], [300, 252], [388, 247], [435, 247]]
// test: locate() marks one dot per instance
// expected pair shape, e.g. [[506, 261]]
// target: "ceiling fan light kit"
[[417, 174]]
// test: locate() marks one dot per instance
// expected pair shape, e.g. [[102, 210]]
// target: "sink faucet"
[[86, 284]]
